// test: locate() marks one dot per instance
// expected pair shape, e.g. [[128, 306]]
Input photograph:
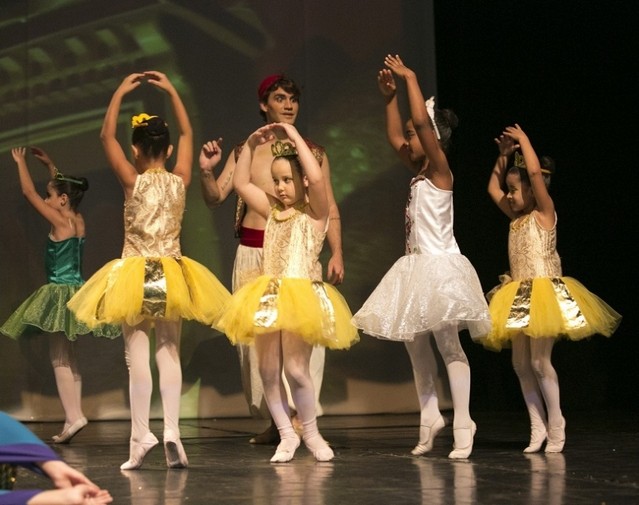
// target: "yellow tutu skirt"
[[548, 307], [130, 290], [315, 311]]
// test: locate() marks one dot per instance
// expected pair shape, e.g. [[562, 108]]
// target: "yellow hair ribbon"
[[140, 120]]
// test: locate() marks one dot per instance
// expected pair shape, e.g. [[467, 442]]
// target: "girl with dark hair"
[[152, 286], [45, 310], [536, 304], [432, 291]]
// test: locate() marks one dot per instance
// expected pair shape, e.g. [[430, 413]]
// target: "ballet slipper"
[[538, 435], [319, 448], [556, 437], [268, 437], [427, 436], [66, 436], [286, 450], [174, 450], [463, 452], [138, 450]]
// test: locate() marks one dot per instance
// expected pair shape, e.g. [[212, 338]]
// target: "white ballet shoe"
[[319, 448], [427, 436], [463, 452], [538, 435], [556, 437], [66, 436], [174, 451], [286, 450], [138, 451]]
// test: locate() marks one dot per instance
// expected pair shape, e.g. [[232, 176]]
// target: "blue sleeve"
[[17, 497], [19, 446]]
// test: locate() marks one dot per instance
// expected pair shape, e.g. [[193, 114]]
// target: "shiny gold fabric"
[[154, 301], [153, 215], [532, 250], [569, 308], [266, 314]]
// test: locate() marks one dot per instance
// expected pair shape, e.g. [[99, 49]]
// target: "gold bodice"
[[532, 250], [153, 215], [292, 246]]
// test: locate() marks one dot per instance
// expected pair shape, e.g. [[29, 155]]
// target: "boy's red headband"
[[267, 83]]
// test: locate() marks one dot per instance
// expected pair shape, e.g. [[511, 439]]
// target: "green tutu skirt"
[[46, 311]]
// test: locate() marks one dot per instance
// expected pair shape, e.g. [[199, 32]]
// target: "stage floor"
[[373, 464]]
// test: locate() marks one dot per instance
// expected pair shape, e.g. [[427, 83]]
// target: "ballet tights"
[[531, 358], [167, 358], [67, 377], [424, 364]]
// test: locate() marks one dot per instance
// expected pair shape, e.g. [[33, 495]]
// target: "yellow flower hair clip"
[[140, 120], [283, 149], [520, 162]]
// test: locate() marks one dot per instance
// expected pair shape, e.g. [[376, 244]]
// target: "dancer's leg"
[[167, 357], [297, 357], [522, 364], [67, 376]]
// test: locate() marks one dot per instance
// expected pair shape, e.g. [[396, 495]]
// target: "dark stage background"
[[546, 65]]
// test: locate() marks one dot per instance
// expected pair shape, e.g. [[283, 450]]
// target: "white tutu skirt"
[[422, 291]]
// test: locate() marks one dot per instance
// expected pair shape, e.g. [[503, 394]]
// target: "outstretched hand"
[[516, 133], [210, 154], [130, 82], [63, 476], [159, 80], [506, 145], [396, 64], [386, 83], [41, 155], [18, 154]]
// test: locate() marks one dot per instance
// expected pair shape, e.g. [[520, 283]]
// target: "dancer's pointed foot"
[[174, 450], [538, 435], [427, 436], [269, 436], [70, 432], [319, 447], [464, 439], [556, 437], [138, 450], [286, 450]]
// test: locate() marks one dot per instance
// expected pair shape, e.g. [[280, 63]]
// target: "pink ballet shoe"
[[286, 450], [66, 436], [463, 452], [427, 436], [174, 451], [138, 451], [556, 437], [538, 435]]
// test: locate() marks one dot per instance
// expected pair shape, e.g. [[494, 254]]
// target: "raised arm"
[[44, 158], [424, 128], [52, 215], [496, 191], [252, 194], [210, 156], [184, 161], [394, 125], [545, 205], [123, 169]]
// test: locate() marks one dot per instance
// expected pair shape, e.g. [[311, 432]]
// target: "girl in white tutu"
[[433, 289]]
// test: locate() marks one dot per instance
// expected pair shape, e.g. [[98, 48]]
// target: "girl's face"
[[520, 196], [54, 199], [415, 147], [287, 182]]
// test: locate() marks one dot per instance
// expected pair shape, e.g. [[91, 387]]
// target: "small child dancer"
[[153, 285], [288, 309], [538, 304], [46, 309], [433, 289]]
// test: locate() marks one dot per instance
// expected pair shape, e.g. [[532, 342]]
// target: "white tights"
[[67, 377], [422, 358], [167, 357], [537, 378], [285, 351]]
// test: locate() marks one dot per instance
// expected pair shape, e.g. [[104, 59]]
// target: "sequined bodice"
[[153, 215], [292, 246], [429, 219], [63, 261], [532, 250]]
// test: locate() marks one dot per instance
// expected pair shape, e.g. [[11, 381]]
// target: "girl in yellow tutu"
[[537, 305], [288, 309], [152, 285]]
